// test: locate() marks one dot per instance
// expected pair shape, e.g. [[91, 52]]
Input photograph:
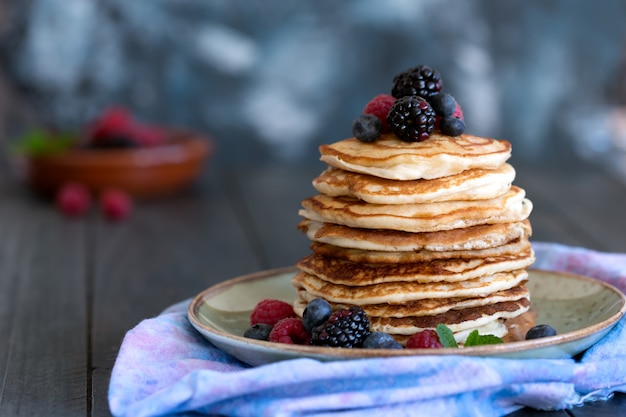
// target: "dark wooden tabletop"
[[70, 289]]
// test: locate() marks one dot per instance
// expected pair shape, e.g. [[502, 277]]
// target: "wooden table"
[[70, 289]]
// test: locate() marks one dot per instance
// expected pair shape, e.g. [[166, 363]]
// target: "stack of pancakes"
[[419, 234]]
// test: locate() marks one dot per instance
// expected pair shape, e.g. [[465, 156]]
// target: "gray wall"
[[273, 79]]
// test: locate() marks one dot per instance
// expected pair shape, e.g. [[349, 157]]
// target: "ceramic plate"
[[581, 309]]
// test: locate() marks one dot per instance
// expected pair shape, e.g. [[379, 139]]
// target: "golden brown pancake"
[[425, 307], [439, 156], [456, 320], [339, 271], [473, 184], [428, 217], [401, 292], [469, 238], [397, 257]]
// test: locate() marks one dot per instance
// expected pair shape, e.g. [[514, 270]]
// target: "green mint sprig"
[[38, 142], [446, 338]]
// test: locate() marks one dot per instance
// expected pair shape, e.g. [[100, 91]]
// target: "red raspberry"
[[290, 331], [270, 312], [115, 204], [425, 339], [73, 199], [145, 135], [379, 106], [114, 122]]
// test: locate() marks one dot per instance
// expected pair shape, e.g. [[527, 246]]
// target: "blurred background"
[[271, 80]]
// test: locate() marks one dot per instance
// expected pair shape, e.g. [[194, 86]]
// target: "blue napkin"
[[165, 367]]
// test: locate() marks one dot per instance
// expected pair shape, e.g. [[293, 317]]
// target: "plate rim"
[[361, 353]]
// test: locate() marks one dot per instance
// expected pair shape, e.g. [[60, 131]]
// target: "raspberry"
[[425, 339], [290, 331], [419, 81], [270, 312], [115, 204], [411, 119], [111, 129], [73, 199], [379, 106], [147, 135], [458, 113], [344, 328]]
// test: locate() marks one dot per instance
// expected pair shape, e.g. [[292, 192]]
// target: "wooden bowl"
[[142, 172]]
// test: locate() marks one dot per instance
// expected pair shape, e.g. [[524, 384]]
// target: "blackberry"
[[451, 126], [345, 328], [316, 313], [367, 128], [380, 340], [260, 331], [419, 81], [411, 119], [539, 331]]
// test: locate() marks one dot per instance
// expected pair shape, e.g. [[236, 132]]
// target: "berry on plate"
[[425, 339], [259, 331], [290, 331], [346, 327], [380, 340], [316, 313], [539, 331], [271, 311]]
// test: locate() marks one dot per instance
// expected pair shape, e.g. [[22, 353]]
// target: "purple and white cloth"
[[165, 367]]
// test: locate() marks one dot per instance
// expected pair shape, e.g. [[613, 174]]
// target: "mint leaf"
[[41, 142], [445, 336], [475, 339]]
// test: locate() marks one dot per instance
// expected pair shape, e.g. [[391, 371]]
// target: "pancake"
[[473, 184], [428, 217], [439, 156], [401, 292], [402, 257], [469, 238], [426, 307], [339, 271], [456, 320]]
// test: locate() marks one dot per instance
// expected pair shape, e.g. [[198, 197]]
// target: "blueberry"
[[443, 104], [367, 128], [260, 331], [380, 340], [451, 126], [316, 313], [539, 331]]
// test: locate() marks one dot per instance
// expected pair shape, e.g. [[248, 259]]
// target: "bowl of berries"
[[115, 151]]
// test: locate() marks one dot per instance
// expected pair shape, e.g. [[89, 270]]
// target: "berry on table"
[[367, 128], [418, 81], [379, 106], [539, 331], [316, 313], [380, 340], [411, 119], [73, 199], [290, 331], [271, 311], [425, 339], [344, 328], [115, 204], [259, 331]]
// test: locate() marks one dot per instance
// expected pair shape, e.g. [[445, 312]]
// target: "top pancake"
[[439, 156], [472, 184]]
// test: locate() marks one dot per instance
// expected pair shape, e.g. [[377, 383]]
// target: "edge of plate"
[[336, 353]]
